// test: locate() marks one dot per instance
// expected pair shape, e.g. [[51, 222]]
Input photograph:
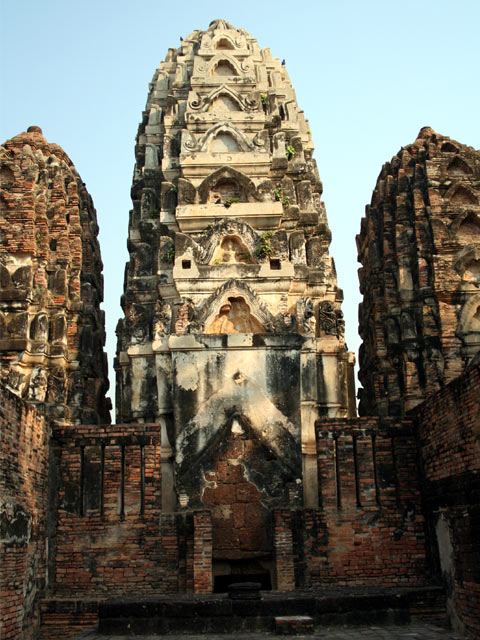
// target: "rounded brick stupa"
[[51, 327]]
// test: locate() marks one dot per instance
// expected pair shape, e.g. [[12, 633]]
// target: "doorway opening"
[[227, 572]]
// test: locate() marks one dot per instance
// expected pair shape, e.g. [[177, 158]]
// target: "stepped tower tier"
[[233, 320], [51, 327], [420, 249]]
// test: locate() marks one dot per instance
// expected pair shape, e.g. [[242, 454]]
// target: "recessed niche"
[[6, 176], [459, 167], [186, 264], [235, 317], [469, 230], [223, 43], [224, 68], [224, 103], [449, 147], [275, 264], [463, 196]]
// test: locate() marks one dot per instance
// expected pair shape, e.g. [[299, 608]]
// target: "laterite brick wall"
[[449, 433], [24, 452], [110, 538], [369, 527]]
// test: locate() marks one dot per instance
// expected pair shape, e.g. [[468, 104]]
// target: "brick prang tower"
[[420, 250], [51, 327]]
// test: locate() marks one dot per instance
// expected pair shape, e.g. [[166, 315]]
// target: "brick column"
[[283, 541], [202, 552]]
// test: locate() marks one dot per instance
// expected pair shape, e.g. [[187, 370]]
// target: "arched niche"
[[468, 329], [235, 316], [223, 180], [224, 43], [458, 167], [231, 251], [467, 264], [223, 142], [448, 147], [226, 190], [225, 129], [224, 103], [224, 68], [472, 271], [39, 327], [215, 234], [462, 195], [469, 229], [469, 317]]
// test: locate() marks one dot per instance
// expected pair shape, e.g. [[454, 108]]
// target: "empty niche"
[[226, 192], [235, 317], [469, 230], [224, 68], [223, 143], [223, 44], [6, 176], [231, 250], [472, 271], [224, 104], [449, 147], [458, 167], [463, 196]]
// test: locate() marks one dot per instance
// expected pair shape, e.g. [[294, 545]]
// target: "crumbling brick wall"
[[449, 434], [369, 527], [24, 452], [109, 536]]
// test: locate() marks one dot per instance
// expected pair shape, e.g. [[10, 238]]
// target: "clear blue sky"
[[368, 74]]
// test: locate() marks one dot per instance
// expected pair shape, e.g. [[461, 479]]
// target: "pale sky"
[[368, 75]]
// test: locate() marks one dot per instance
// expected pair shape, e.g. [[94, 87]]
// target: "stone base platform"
[[219, 614], [294, 625]]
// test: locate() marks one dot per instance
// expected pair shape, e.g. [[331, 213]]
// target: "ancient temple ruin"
[[237, 455], [419, 246], [51, 328], [232, 321]]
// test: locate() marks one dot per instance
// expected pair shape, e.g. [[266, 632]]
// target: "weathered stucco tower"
[[51, 327], [233, 329], [420, 249], [237, 456]]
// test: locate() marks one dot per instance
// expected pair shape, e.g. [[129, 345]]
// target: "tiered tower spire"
[[232, 310]]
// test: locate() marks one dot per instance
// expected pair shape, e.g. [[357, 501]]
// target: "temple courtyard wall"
[[397, 505], [24, 468]]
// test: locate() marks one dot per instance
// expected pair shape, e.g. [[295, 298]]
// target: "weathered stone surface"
[[51, 327], [24, 462], [229, 279], [420, 248]]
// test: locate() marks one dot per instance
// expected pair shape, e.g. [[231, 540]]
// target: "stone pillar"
[[202, 552], [309, 408]]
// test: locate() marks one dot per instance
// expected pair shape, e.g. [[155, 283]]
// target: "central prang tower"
[[233, 335]]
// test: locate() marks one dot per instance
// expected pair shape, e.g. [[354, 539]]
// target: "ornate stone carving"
[[245, 237], [162, 318], [306, 316], [327, 318]]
